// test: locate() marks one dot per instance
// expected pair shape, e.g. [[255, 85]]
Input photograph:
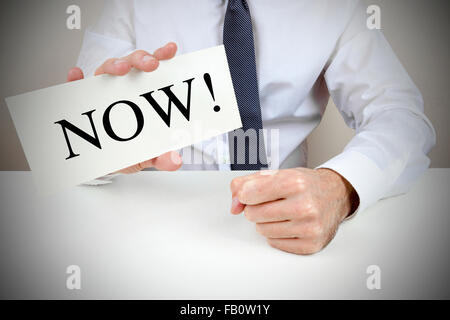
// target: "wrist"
[[349, 199]]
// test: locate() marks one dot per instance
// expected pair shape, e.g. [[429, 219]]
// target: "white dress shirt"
[[305, 52]]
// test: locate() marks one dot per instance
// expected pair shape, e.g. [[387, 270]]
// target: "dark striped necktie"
[[247, 149]]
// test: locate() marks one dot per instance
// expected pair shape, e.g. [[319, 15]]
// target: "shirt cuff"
[[362, 173]]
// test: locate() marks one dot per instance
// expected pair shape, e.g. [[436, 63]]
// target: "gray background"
[[38, 49]]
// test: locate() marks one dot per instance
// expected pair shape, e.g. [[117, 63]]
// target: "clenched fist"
[[298, 210]]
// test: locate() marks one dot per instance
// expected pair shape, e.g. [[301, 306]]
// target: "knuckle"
[[296, 183], [243, 195], [259, 187], [310, 207], [305, 207], [299, 184], [234, 184]]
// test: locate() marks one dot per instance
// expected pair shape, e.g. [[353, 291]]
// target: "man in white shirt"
[[305, 51]]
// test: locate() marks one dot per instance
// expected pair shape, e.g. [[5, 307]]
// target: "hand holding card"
[[144, 61], [75, 132]]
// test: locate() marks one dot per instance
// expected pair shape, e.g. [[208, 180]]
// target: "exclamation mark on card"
[[208, 82]]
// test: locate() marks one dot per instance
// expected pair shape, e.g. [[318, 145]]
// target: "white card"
[[127, 132]]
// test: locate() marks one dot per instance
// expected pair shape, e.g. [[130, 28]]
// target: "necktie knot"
[[237, 4]]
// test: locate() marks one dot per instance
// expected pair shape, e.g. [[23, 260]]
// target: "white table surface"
[[159, 235]]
